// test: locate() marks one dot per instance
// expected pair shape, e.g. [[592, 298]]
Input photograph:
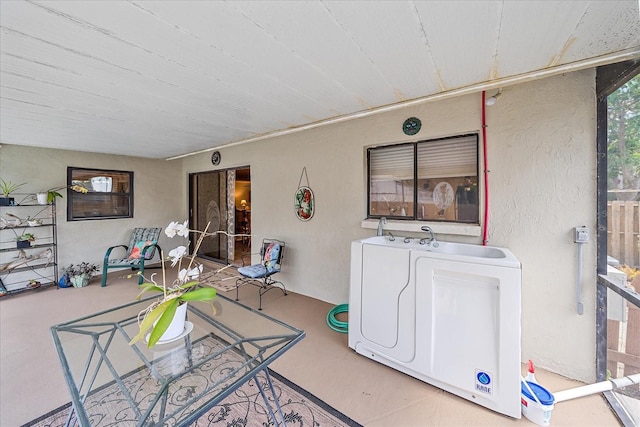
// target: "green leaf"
[[163, 323], [189, 284], [146, 287], [201, 294], [51, 195], [149, 319]]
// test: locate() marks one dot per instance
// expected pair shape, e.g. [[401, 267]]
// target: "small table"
[[174, 382]]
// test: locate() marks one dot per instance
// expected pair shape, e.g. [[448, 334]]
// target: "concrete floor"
[[31, 381]]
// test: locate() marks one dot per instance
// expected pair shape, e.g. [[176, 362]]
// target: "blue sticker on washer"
[[484, 381]]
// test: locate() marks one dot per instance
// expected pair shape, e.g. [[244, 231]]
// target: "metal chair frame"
[[264, 283], [138, 234]]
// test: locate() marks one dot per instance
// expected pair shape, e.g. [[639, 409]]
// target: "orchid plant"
[[52, 193], [158, 316]]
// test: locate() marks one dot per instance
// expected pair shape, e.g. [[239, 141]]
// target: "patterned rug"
[[221, 277], [245, 407]]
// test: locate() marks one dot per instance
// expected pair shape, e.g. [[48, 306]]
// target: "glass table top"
[[172, 383]]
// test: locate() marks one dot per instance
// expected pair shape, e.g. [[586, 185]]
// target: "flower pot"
[[42, 198], [176, 327], [80, 281], [7, 201], [21, 244]]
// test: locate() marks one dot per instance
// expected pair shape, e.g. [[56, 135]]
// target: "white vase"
[[176, 327], [42, 198]]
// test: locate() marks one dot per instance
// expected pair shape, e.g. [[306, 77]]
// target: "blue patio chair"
[[261, 275], [141, 249]]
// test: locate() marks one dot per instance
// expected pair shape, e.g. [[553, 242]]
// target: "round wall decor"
[[215, 158], [411, 126]]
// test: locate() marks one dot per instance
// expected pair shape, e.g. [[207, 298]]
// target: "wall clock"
[[215, 158], [411, 126]]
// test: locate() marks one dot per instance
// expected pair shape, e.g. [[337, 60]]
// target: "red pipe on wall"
[[486, 172]]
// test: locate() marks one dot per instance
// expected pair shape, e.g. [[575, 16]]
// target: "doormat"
[[244, 407]]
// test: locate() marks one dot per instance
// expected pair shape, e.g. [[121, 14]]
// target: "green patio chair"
[[141, 249]]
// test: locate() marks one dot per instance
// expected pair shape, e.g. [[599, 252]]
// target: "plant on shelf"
[[24, 240], [48, 196], [33, 222], [158, 317], [80, 274], [6, 188], [33, 283]]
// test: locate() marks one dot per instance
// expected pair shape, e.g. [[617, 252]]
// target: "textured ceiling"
[[166, 78]]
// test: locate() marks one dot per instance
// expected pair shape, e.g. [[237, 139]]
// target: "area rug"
[[221, 277], [245, 407]]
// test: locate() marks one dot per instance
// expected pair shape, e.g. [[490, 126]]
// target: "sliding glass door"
[[221, 199], [209, 205]]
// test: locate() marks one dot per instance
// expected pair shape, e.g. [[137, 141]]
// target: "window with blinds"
[[110, 194], [425, 180]]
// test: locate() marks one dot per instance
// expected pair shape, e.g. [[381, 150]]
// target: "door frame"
[[230, 207], [609, 78]]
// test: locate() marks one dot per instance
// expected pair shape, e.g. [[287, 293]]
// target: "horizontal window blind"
[[445, 158], [391, 163], [452, 157]]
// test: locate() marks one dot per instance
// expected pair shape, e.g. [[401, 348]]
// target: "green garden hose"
[[335, 324]]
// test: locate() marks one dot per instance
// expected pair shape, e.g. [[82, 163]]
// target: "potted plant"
[[24, 240], [80, 274], [47, 196], [6, 188], [164, 318]]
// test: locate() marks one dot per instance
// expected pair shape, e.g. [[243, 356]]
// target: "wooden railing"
[[623, 337], [623, 344], [623, 229]]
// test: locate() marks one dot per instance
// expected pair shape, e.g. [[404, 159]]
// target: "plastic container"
[[531, 372], [537, 410]]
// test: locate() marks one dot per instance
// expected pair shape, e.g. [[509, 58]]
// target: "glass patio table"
[[175, 382]]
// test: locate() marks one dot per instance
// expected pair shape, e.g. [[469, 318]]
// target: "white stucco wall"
[[159, 188], [542, 156], [543, 163]]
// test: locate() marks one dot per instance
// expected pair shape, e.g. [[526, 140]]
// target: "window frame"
[[413, 216], [74, 199]]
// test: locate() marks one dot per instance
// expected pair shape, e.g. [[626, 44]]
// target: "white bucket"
[[537, 409]]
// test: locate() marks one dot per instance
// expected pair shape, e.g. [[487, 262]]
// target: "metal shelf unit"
[[23, 269]]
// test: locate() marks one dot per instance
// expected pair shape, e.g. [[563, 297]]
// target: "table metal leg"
[[72, 409], [276, 421]]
